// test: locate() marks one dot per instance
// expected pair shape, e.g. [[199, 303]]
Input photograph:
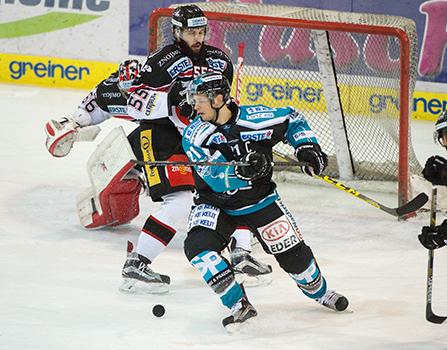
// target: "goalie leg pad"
[[119, 202], [113, 197]]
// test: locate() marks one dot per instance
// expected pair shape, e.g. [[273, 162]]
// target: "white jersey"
[[150, 105]]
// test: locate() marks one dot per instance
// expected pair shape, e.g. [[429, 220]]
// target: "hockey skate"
[[249, 271], [139, 278], [240, 313], [333, 301]]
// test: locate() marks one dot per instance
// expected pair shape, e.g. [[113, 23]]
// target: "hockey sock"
[[310, 281], [219, 276], [154, 238], [242, 238]]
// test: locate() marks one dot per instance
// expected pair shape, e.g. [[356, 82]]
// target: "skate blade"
[[253, 281], [238, 327], [131, 286]]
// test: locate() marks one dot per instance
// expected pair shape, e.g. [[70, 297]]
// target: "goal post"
[[351, 74]]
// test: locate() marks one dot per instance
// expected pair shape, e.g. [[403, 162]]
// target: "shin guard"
[[219, 276]]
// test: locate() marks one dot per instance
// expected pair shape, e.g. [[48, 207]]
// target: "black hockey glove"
[[433, 238], [259, 166], [177, 98], [435, 170], [312, 154]]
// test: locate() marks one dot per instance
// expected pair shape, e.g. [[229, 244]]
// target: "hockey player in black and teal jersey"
[[435, 171], [228, 196]]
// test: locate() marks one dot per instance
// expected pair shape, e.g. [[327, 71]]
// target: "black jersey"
[[170, 63], [105, 101]]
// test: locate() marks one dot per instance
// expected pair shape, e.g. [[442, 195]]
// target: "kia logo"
[[276, 230]]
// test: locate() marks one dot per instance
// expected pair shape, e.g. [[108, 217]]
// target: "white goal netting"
[[367, 75]]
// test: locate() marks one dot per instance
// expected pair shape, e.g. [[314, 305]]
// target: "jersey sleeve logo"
[[216, 64]]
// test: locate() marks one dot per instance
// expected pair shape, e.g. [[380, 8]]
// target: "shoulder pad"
[[198, 131], [164, 56], [257, 112], [211, 50]]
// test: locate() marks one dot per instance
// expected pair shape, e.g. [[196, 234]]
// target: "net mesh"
[[281, 69]]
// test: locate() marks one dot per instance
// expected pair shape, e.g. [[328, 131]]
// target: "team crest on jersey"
[[256, 135], [179, 66], [217, 139], [216, 64]]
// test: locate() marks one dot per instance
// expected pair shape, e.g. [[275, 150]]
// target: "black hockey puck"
[[158, 310]]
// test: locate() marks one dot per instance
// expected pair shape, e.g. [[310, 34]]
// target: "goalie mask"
[[127, 72], [189, 28], [440, 133]]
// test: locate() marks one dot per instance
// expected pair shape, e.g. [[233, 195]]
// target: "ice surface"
[[59, 282]]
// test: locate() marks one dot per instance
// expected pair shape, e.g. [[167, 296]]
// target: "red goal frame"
[[401, 35]]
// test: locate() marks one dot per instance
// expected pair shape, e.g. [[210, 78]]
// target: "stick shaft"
[[201, 163], [429, 314]]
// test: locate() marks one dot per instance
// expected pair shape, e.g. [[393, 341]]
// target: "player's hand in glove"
[[433, 238], [435, 170], [311, 153], [177, 98], [259, 166], [63, 133]]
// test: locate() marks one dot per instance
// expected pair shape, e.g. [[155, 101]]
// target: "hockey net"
[[352, 75]]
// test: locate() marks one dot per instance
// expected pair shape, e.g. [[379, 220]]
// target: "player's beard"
[[196, 48], [187, 50]]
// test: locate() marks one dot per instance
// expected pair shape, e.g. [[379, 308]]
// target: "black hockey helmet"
[[211, 84], [440, 133], [188, 16], [127, 72]]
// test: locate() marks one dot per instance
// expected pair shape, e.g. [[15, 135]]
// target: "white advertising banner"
[[95, 30]]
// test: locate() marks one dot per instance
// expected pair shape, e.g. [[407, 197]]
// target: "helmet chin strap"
[[217, 110]]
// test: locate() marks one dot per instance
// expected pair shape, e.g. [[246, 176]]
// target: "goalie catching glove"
[[311, 153], [63, 133], [259, 167]]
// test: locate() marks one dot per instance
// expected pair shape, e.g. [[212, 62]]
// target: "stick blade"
[[431, 317], [413, 205]]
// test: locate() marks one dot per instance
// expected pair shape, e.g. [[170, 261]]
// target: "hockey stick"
[[409, 207], [429, 315], [413, 205], [201, 163]]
